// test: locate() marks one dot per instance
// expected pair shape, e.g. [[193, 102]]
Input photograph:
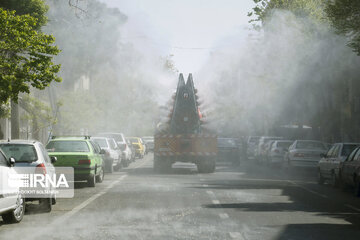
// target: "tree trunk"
[[15, 121]]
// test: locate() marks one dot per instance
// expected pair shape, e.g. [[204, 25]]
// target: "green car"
[[82, 154]]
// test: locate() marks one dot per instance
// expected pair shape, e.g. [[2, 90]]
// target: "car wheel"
[[17, 214], [45, 204], [125, 163], [91, 180], [110, 167], [357, 187], [101, 175], [320, 178], [334, 180]]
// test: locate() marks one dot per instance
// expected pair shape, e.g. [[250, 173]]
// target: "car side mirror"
[[102, 151], [53, 159], [12, 161]]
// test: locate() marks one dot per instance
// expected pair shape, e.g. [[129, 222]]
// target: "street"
[[246, 202]]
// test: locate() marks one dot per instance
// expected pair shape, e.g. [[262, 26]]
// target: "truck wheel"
[[162, 165], [206, 166], [156, 166]]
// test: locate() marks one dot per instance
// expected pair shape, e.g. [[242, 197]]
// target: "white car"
[[32, 154], [304, 153], [12, 204], [121, 141], [112, 153], [278, 150]]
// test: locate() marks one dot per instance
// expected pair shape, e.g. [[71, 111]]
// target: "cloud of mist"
[[285, 74], [109, 83]]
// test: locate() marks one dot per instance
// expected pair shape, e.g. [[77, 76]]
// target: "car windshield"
[[347, 149], [67, 146], [21, 152], [310, 145], [102, 142], [226, 142]]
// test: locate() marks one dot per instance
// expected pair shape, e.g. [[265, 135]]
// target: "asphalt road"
[[246, 202]]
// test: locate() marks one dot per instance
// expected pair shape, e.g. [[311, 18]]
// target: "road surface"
[[246, 202]]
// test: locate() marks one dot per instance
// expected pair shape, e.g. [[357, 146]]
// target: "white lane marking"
[[89, 200], [352, 207], [308, 190], [223, 215], [205, 185], [236, 235], [94, 197], [215, 201]]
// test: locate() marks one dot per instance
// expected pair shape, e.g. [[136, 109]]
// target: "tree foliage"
[[312, 8], [345, 17], [25, 56], [35, 8]]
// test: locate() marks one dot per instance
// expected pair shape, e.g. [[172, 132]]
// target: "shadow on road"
[[318, 231]]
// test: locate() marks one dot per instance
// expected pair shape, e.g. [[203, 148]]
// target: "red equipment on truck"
[[184, 139]]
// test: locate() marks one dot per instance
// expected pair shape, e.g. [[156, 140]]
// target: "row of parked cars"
[[90, 157], [338, 164]]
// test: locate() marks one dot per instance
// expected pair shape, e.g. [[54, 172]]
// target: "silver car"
[[260, 153], [329, 165], [112, 153], [251, 146], [121, 142], [31, 153], [12, 204], [277, 151], [304, 153]]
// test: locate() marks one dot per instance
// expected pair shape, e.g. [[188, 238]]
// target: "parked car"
[[149, 141], [329, 165], [123, 145], [133, 150], [260, 154], [228, 150], [277, 151], [79, 153], [32, 154], [138, 146], [12, 203], [304, 153], [349, 174], [113, 153], [251, 145], [144, 146]]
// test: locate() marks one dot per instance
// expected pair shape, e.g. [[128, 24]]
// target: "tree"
[[25, 56], [312, 8], [345, 17], [35, 8]]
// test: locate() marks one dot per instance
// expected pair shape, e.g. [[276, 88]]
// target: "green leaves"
[[345, 17], [25, 56]]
